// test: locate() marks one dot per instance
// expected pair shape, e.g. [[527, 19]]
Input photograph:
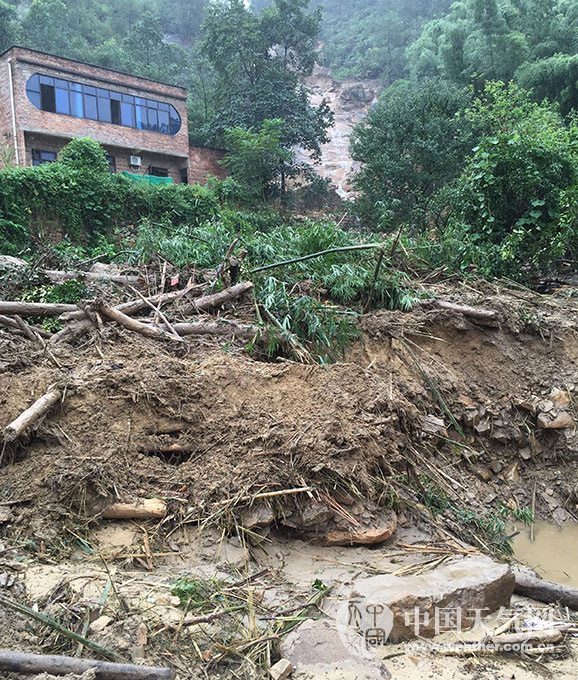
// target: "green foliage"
[[9, 28], [196, 594], [411, 145], [256, 159], [509, 197], [79, 198], [260, 61]]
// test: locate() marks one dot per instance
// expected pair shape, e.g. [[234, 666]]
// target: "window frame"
[[89, 102]]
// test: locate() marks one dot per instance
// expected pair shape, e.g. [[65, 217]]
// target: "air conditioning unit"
[[136, 161]]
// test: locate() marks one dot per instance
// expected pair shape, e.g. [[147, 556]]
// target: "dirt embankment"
[[489, 409]]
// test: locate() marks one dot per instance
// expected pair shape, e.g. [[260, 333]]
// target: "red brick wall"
[[6, 133], [139, 142], [204, 161]]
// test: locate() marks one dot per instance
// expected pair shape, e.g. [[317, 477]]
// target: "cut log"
[[135, 306], [58, 276], [217, 299], [143, 508], [72, 331], [482, 315], [145, 329], [35, 308], [32, 664], [245, 331], [32, 414], [9, 322], [529, 584]]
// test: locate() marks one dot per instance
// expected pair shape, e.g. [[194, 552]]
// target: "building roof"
[[86, 63]]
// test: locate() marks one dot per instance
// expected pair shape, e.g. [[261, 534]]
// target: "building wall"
[[204, 161], [32, 121], [6, 132]]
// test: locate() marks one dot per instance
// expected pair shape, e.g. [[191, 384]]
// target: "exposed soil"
[[429, 392]]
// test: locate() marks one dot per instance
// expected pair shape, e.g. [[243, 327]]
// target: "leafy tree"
[[259, 61], [411, 144], [85, 154], [9, 29], [46, 26], [510, 194], [256, 158]]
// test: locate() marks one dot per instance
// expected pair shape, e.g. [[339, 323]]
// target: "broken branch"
[[32, 414]]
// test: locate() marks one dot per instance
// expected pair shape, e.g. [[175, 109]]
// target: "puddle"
[[554, 552]]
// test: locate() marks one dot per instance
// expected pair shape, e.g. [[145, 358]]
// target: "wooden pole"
[[32, 664]]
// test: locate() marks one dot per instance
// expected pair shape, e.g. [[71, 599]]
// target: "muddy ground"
[[480, 415]]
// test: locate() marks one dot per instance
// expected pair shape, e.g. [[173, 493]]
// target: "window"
[[111, 163], [158, 172], [184, 176], [85, 101], [40, 157]]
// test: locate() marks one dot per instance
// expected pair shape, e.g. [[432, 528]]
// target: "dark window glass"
[[88, 89], [184, 176], [127, 114], [164, 125], [48, 100], [158, 172], [90, 108], [175, 121], [46, 80], [111, 163], [153, 117], [104, 110], [76, 105], [115, 111], [141, 117], [163, 107], [33, 84], [40, 157], [62, 103]]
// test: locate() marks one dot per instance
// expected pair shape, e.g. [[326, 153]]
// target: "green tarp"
[[147, 179]]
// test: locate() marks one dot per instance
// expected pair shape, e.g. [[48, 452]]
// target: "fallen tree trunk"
[[32, 664], [482, 315], [143, 508], [32, 414], [35, 308], [57, 276], [217, 299], [8, 322], [145, 329], [529, 584], [246, 331], [135, 306]]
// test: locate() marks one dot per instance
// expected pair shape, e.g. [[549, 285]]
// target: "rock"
[[281, 670], [529, 404], [386, 524], [525, 453], [557, 420], [471, 417], [5, 515], [483, 473], [433, 425], [257, 517], [496, 466], [545, 406], [466, 401], [319, 650], [466, 586], [315, 514], [484, 426], [511, 473], [100, 624], [560, 397]]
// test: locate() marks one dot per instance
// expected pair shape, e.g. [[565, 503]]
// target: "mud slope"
[[136, 420]]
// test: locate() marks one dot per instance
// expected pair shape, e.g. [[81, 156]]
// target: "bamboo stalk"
[[345, 249]]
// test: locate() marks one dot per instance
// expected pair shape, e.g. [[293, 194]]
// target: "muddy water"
[[554, 552]]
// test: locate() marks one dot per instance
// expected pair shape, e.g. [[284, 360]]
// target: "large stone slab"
[[452, 597], [324, 650]]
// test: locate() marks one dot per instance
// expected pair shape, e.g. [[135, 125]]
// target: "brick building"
[[45, 101]]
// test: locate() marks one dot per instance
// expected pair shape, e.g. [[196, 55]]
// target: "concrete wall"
[[171, 151]]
